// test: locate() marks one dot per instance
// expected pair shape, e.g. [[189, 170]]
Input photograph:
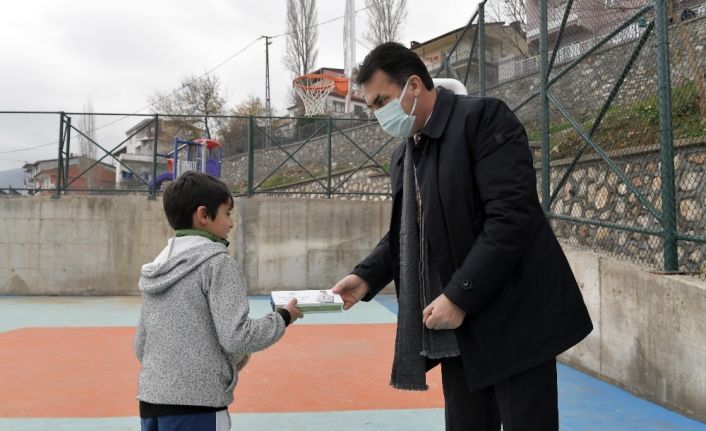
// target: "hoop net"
[[314, 88]]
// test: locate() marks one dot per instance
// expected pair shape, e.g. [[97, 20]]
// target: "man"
[[482, 283]]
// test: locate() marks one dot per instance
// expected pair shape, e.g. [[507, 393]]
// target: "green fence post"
[[153, 189], [59, 164], [251, 155], [328, 167], [67, 152], [544, 113], [481, 53], [669, 204]]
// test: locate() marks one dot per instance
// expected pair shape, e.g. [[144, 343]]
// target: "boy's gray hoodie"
[[194, 323]]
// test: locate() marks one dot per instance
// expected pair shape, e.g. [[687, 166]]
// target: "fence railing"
[[627, 176]]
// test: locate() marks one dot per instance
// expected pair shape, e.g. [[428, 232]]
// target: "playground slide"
[[164, 176]]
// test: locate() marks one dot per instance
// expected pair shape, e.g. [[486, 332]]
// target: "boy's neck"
[[203, 233]]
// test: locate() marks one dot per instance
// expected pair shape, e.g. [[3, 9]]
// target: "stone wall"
[[366, 184], [594, 192], [313, 155], [584, 89]]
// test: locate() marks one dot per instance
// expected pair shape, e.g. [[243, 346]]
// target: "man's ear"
[[415, 82]]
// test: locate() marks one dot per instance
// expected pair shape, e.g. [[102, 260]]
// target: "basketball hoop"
[[313, 89]]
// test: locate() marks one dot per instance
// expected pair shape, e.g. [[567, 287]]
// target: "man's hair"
[[190, 191], [397, 61]]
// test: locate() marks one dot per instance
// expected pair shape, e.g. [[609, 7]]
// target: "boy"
[[194, 326]]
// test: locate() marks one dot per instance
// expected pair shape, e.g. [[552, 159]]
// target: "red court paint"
[[92, 372]]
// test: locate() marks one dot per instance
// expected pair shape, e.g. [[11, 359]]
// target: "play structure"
[[200, 155]]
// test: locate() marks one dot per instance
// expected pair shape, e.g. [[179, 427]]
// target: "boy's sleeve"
[[227, 296], [138, 343]]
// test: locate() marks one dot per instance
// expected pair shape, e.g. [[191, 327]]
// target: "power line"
[[27, 149], [320, 23], [178, 89]]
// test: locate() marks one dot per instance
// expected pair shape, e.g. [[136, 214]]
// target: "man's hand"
[[351, 288], [443, 314]]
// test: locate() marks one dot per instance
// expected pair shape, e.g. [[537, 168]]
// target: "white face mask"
[[394, 120]]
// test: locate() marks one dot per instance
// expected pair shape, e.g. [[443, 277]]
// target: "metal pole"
[[481, 53], [153, 189], [544, 101], [59, 164], [329, 166], [67, 151], [267, 89], [251, 156], [669, 204]]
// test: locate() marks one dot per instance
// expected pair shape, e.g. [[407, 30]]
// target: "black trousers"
[[524, 402]]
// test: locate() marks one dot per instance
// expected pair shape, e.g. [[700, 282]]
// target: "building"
[[137, 154], [587, 23], [502, 41], [84, 175]]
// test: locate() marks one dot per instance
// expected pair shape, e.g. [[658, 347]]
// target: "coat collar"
[[440, 114], [434, 128]]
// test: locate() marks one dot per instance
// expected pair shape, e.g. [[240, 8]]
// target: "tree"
[[234, 131], [198, 98], [87, 126], [302, 34], [514, 13], [385, 18]]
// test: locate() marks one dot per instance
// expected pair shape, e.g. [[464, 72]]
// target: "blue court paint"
[[589, 404], [61, 311], [388, 301], [373, 420], [71, 424]]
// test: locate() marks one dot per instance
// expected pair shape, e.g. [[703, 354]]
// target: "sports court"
[[68, 365]]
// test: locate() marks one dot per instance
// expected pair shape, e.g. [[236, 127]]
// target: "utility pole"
[[268, 126], [349, 49]]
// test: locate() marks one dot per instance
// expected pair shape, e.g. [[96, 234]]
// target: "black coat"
[[494, 249]]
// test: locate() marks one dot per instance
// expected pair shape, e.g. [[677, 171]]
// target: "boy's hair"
[[190, 191], [397, 61]]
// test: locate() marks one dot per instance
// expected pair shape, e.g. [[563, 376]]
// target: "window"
[[360, 111], [338, 107]]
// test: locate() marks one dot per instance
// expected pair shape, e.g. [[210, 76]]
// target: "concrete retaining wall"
[[649, 332], [77, 245], [650, 329]]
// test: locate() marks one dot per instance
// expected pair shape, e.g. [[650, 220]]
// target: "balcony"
[[554, 17]]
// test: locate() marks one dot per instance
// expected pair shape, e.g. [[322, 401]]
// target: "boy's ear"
[[202, 215]]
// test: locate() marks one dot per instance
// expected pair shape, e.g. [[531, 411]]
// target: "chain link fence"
[[617, 128]]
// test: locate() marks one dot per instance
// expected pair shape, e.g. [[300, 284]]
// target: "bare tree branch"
[[87, 125], [385, 19], [301, 53], [199, 97]]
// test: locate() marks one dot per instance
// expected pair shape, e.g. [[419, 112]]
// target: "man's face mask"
[[394, 120]]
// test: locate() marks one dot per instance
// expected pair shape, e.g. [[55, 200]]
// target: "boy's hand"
[[352, 289], [294, 313]]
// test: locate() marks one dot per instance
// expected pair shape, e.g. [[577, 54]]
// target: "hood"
[[181, 256]]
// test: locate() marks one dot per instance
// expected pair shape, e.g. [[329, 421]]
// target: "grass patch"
[[631, 125]]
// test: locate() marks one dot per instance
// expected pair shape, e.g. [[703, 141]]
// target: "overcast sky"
[[57, 54]]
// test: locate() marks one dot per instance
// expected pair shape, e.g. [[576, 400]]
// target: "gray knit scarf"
[[419, 285]]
